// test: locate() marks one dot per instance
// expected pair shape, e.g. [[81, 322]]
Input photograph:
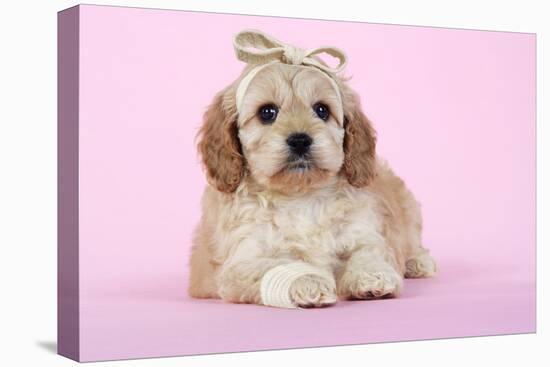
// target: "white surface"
[[28, 182]]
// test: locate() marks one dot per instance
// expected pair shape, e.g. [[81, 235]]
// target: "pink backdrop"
[[455, 115]]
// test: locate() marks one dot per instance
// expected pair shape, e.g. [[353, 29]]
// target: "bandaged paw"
[[298, 285]]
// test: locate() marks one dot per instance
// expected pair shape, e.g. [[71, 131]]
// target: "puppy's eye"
[[268, 113], [321, 110]]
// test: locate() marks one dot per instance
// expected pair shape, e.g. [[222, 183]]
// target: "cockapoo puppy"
[[299, 210]]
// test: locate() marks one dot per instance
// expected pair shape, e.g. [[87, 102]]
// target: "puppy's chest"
[[323, 224], [309, 218]]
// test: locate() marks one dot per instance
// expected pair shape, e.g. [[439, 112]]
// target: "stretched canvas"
[[454, 115]]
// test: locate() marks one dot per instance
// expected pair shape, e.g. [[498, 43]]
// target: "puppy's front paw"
[[383, 282], [313, 291], [298, 284]]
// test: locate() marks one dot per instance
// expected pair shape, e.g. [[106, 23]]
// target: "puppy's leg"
[[369, 273], [420, 265], [313, 287], [276, 282]]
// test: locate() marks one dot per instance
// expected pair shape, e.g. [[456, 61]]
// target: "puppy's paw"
[[421, 266], [383, 282], [313, 291], [298, 284]]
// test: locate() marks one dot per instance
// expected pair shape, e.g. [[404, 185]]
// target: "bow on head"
[[256, 47]]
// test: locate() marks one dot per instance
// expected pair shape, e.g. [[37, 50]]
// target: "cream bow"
[[257, 48]]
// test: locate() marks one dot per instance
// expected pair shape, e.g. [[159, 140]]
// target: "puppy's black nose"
[[299, 143]]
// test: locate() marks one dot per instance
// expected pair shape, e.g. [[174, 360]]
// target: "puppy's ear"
[[219, 145], [359, 146]]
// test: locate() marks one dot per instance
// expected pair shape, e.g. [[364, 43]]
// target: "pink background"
[[455, 115]]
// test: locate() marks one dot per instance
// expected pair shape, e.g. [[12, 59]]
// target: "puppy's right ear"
[[219, 146], [359, 144]]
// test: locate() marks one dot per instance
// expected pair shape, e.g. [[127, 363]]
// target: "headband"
[[257, 48]]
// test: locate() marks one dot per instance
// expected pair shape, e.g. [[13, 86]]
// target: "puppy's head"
[[295, 129]]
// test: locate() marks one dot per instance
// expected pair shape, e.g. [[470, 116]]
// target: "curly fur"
[[348, 215]]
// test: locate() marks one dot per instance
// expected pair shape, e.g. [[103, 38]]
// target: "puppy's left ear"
[[359, 144], [219, 145]]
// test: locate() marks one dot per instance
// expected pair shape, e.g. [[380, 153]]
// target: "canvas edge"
[[68, 302]]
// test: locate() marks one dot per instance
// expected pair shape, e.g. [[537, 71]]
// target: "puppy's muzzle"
[[299, 143]]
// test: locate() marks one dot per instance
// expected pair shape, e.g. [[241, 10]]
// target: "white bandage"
[[276, 283]]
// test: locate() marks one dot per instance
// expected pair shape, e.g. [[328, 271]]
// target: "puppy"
[[299, 210]]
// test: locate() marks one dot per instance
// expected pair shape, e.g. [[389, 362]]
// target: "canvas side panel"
[[67, 183]]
